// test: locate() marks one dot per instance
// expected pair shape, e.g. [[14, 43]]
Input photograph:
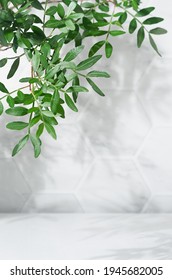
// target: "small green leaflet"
[[72, 54], [60, 10], [3, 88], [36, 60], [36, 145], [14, 68], [87, 63], [145, 12], [10, 101], [40, 130], [3, 62], [116, 32], [1, 108], [98, 74], [70, 8], [140, 36], [153, 20], [153, 44], [37, 5], [95, 48], [158, 31], [108, 49], [34, 121], [95, 87], [20, 145], [77, 89], [48, 114], [17, 125], [55, 102], [17, 111], [50, 129], [70, 102], [132, 26]]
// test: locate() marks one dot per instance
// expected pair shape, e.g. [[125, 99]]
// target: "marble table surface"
[[85, 236]]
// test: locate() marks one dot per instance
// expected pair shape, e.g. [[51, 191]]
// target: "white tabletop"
[[85, 236]]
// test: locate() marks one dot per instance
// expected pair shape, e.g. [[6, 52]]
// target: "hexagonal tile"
[[112, 187], [70, 143], [159, 204], [51, 174], [52, 203], [156, 160], [155, 89], [13, 189], [115, 125]]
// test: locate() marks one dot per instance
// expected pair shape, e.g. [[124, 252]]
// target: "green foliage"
[[55, 82]]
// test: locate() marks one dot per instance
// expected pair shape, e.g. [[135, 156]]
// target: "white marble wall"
[[115, 155]]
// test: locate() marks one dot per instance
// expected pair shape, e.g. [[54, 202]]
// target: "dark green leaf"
[[55, 102], [77, 89], [10, 101], [87, 63], [145, 12], [153, 44], [17, 111], [153, 20], [51, 11], [132, 26], [14, 68], [37, 5], [70, 102], [95, 87], [17, 125], [158, 31], [34, 121], [108, 49], [60, 10], [20, 145], [95, 48], [1, 108], [140, 36], [123, 18], [3, 88], [54, 23], [40, 130], [3, 62]]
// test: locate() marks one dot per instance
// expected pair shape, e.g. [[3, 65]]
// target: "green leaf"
[[48, 113], [70, 102], [17, 125], [140, 36], [50, 129], [60, 10], [54, 23], [1, 108], [36, 145], [3, 62], [69, 24], [3, 88], [87, 63], [51, 11], [108, 49], [20, 95], [123, 18], [77, 89], [95, 87], [153, 44], [17, 111], [72, 54], [10, 101], [50, 74], [34, 121], [20, 145], [37, 5], [40, 130], [36, 60], [145, 12], [153, 20], [70, 8], [132, 26], [55, 102], [98, 74], [158, 31], [95, 48], [116, 32], [14, 68]]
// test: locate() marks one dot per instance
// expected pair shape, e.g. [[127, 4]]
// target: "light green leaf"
[[50, 129], [69, 24], [20, 145], [48, 113], [36, 144], [116, 32], [17, 125], [72, 54], [70, 8], [158, 31], [98, 74]]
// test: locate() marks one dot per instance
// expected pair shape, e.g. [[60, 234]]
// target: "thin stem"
[[14, 57], [46, 3]]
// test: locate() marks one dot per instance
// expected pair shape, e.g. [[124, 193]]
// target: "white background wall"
[[115, 155]]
